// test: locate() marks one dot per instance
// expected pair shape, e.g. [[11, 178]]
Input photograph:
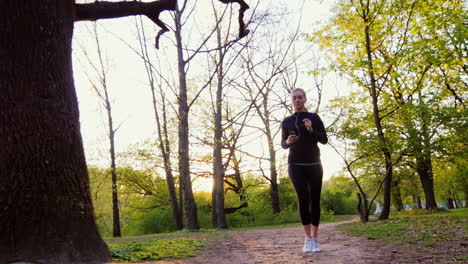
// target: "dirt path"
[[284, 245]]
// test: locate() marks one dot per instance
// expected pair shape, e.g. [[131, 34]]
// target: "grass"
[[155, 249], [180, 244], [418, 227]]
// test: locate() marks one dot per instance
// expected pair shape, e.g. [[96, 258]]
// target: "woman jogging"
[[300, 133]]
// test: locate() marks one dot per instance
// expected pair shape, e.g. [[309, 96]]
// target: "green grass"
[[421, 227], [155, 249]]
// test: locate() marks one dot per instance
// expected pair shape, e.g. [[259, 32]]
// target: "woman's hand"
[[308, 124], [291, 139]]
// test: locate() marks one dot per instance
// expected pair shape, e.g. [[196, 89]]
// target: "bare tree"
[[263, 79], [101, 88], [184, 108], [156, 83]]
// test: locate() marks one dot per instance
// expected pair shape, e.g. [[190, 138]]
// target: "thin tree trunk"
[[161, 128], [47, 214], [115, 198], [103, 94], [274, 190], [219, 219], [165, 151], [386, 152], [184, 162]]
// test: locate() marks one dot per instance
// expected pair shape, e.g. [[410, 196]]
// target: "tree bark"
[[184, 163], [47, 214]]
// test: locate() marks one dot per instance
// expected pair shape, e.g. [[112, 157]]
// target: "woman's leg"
[[308, 231], [314, 231], [298, 179], [314, 177]]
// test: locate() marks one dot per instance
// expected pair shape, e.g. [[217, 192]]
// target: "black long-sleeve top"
[[305, 150]]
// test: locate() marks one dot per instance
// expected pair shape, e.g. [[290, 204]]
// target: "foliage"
[[141, 196], [418, 227], [417, 55], [155, 249], [338, 196]]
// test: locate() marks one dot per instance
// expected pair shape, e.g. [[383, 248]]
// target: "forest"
[[169, 118]]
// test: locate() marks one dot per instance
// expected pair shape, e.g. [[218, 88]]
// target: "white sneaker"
[[308, 245], [315, 245]]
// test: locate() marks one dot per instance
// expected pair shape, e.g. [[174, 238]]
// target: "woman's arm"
[[319, 132], [284, 135]]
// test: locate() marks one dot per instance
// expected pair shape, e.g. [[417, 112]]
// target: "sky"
[[132, 108]]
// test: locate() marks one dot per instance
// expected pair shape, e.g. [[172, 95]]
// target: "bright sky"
[[132, 107]]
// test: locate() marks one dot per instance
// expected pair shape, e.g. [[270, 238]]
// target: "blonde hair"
[[303, 93], [298, 89]]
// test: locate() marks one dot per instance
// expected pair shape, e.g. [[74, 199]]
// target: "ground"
[[283, 245]]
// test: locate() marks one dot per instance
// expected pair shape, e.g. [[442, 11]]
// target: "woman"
[[300, 133]]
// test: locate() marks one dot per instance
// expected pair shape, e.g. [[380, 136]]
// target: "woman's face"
[[298, 100]]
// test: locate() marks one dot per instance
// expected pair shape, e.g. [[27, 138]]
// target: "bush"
[[158, 221], [338, 202]]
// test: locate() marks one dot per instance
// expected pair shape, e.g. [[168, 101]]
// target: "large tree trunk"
[[184, 163], [424, 170], [47, 215]]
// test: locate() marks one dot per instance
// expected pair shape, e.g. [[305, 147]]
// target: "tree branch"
[[103, 10], [243, 31]]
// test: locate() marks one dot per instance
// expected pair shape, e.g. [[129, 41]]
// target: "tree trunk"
[[424, 165], [165, 149], [386, 152], [115, 197], [450, 203], [47, 215], [184, 159], [274, 192], [427, 181], [362, 207], [417, 201], [219, 219], [397, 201]]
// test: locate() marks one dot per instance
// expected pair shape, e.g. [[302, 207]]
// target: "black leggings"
[[307, 181]]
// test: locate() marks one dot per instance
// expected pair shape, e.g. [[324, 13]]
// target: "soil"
[[284, 245]]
